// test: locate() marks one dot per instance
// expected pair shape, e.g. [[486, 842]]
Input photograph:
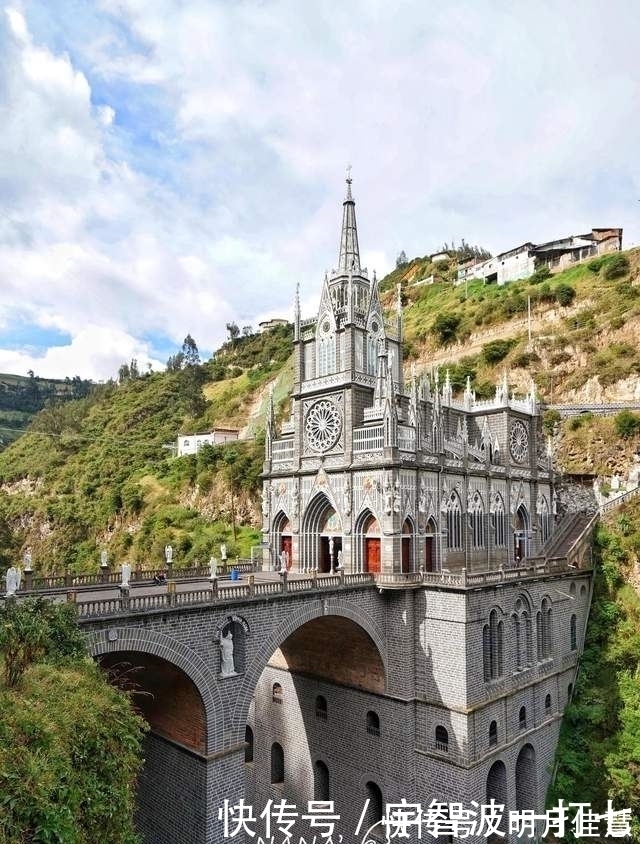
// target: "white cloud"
[[171, 167]]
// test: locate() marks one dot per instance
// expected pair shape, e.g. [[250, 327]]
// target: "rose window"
[[323, 425], [518, 442]]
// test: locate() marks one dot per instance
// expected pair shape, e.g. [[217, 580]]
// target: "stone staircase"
[[571, 538]]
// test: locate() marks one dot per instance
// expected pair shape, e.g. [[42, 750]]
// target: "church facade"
[[450, 504], [370, 474]]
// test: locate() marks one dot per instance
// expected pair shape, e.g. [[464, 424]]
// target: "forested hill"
[[99, 472], [22, 397]]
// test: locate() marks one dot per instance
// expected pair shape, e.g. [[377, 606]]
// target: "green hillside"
[[100, 473]]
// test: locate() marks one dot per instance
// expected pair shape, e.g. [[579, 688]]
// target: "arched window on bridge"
[[276, 693], [277, 764], [248, 744], [321, 707], [373, 723]]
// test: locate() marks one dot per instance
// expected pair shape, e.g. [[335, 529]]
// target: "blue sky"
[[168, 167]]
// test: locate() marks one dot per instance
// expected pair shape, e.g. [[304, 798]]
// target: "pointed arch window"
[[523, 634], [454, 523], [492, 647], [544, 630], [325, 347], [499, 521], [476, 518], [545, 519]]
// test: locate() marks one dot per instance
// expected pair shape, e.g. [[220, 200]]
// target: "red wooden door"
[[372, 554], [428, 555], [406, 554]]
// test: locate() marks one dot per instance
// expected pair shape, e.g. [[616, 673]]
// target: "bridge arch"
[[309, 612], [140, 640]]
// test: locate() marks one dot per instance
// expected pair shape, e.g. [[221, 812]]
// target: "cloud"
[[166, 168]]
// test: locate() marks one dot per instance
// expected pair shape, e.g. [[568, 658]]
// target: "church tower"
[[366, 476]]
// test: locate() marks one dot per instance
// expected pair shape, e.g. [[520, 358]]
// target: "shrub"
[[627, 424], [540, 275], [595, 265], [445, 327], [616, 266], [565, 294], [496, 351], [550, 420]]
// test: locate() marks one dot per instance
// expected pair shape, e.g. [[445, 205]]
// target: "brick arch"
[[167, 648], [308, 612]]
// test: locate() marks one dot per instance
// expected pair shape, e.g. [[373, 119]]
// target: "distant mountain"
[[22, 397]]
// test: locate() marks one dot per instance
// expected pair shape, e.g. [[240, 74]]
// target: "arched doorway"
[[369, 542], [497, 790], [321, 536], [526, 779], [407, 546], [521, 533], [173, 707], [283, 542], [312, 722], [430, 545]]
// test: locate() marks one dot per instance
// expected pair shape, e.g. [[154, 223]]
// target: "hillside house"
[[192, 443], [557, 255]]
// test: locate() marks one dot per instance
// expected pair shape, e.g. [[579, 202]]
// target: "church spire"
[[349, 261]]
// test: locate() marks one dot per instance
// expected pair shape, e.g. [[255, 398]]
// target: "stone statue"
[[227, 668], [340, 565], [13, 580], [104, 559], [387, 497], [284, 560], [265, 501], [331, 544], [422, 500], [396, 496], [346, 498], [213, 568], [295, 500], [126, 576], [168, 553], [223, 552], [27, 559]]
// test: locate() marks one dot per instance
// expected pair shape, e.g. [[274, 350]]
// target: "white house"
[[192, 443]]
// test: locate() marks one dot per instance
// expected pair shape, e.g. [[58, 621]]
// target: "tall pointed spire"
[[349, 261]]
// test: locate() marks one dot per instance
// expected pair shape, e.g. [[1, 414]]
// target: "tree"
[[36, 629], [175, 362], [401, 260], [124, 373], [233, 330], [190, 354], [70, 745], [247, 331]]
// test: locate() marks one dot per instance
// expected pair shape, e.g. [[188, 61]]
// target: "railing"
[[399, 580], [215, 594], [282, 450], [406, 438], [612, 503], [108, 578], [368, 439]]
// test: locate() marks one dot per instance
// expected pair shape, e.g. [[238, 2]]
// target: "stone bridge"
[[403, 650]]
